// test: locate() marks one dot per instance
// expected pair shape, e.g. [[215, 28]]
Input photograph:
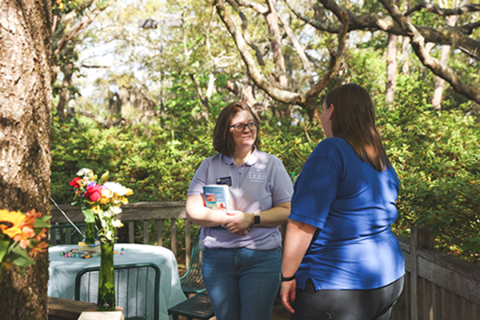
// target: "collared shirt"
[[258, 184]]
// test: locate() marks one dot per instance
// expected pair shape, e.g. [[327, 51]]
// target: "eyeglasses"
[[240, 127]]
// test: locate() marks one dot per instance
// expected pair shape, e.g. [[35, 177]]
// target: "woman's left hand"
[[287, 294], [238, 222]]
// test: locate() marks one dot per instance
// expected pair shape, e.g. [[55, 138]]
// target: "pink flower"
[[24, 244], [93, 193]]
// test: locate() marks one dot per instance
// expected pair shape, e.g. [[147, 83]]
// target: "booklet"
[[217, 197]]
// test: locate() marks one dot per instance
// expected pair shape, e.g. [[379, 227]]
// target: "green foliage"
[[435, 155], [437, 161]]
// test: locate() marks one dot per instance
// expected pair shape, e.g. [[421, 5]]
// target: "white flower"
[[117, 223], [116, 187], [109, 235], [83, 172], [115, 210]]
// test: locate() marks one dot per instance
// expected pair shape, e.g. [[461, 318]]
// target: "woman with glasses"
[[341, 260], [241, 248]]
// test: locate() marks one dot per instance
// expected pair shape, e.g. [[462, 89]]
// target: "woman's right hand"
[[238, 222], [287, 294]]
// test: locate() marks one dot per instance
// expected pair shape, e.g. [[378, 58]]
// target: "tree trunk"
[[25, 94], [405, 55], [439, 82], [391, 68], [67, 80]]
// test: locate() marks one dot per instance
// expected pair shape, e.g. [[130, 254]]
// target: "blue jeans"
[[242, 283]]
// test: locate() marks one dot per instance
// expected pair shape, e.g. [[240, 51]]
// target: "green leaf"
[[89, 215], [3, 247], [42, 222]]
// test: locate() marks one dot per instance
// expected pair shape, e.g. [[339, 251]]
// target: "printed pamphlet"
[[217, 197]]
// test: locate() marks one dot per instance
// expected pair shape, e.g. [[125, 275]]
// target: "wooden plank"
[[408, 295], [427, 300], [173, 235], [413, 274], [145, 231], [68, 236], [420, 298], [437, 302], [450, 273], [159, 232], [188, 244], [445, 304], [131, 232], [132, 211]]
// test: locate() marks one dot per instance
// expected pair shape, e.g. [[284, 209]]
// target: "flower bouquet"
[[21, 237], [100, 203]]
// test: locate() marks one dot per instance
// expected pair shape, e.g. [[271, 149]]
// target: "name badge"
[[226, 180]]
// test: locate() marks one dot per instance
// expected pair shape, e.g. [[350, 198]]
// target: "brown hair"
[[353, 120], [222, 139]]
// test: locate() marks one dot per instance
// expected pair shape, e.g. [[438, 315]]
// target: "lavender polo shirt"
[[257, 185]]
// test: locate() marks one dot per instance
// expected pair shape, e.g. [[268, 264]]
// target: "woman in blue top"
[[341, 261]]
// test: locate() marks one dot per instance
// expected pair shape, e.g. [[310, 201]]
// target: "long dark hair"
[[222, 139], [353, 120]]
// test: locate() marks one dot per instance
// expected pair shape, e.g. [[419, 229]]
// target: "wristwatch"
[[256, 218]]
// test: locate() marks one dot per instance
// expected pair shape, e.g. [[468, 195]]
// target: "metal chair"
[[192, 280], [62, 234], [137, 289], [197, 307]]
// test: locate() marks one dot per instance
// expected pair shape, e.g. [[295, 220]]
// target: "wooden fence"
[[437, 286]]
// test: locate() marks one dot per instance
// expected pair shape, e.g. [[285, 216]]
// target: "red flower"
[[93, 193], [74, 182]]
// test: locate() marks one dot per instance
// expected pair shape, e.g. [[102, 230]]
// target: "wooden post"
[[420, 238], [145, 231], [159, 232], [188, 244], [131, 231], [173, 235]]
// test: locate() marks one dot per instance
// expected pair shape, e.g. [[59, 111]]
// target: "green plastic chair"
[[192, 280], [133, 290]]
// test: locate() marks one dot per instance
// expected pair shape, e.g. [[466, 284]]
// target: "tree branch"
[[418, 44], [334, 55], [455, 37], [86, 21], [430, 7], [274, 92], [246, 35], [298, 48]]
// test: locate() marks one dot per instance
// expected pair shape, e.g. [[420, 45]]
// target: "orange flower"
[[39, 247], [42, 234]]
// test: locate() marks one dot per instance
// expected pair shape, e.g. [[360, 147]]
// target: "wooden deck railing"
[[159, 212], [437, 286]]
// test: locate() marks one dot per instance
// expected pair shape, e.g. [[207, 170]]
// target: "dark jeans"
[[374, 304]]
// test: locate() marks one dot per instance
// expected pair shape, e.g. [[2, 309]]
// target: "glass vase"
[[90, 233], [106, 283]]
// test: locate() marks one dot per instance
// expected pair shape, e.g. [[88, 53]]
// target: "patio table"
[[63, 270]]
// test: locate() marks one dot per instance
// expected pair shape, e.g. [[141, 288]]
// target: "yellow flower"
[[95, 209], [104, 200], [129, 192], [124, 200], [10, 222]]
